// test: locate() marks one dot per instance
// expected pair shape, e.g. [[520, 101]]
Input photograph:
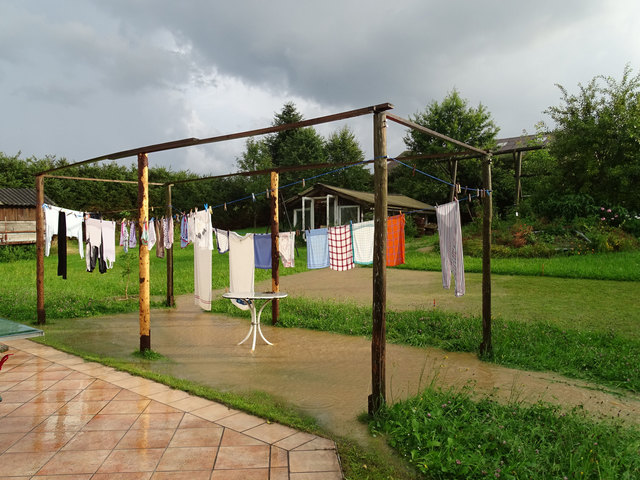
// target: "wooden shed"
[[18, 215], [325, 205]]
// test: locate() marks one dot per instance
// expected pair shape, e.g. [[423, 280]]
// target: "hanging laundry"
[[160, 238], [124, 236], [74, 222], [287, 248], [144, 235], [222, 240], [62, 244], [202, 248], [262, 250], [340, 248], [451, 255], [241, 266], [94, 242], [184, 232], [395, 240], [362, 239], [191, 226], [168, 232], [132, 235], [152, 234], [317, 248], [108, 230]]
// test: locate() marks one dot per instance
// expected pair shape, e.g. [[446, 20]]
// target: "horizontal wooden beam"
[[99, 179]]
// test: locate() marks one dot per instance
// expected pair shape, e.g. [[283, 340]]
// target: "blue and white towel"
[[318, 248]]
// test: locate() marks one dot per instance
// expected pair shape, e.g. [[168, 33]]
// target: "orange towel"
[[395, 240]]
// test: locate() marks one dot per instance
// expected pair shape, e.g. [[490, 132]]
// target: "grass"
[[448, 435], [601, 357]]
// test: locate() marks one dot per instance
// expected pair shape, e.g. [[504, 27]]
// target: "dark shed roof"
[[20, 197]]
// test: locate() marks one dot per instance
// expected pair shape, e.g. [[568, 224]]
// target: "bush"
[[567, 207], [12, 253]]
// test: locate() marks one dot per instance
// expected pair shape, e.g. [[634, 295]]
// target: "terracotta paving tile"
[[98, 394], [81, 407], [243, 457], [146, 439], [70, 423], [252, 474], [241, 421], [111, 376], [98, 384], [191, 421], [295, 440], [15, 464], [78, 376], [197, 437], [53, 374], [42, 442], [149, 388], [214, 412], [128, 395], [30, 384], [122, 476], [7, 408], [28, 477], [279, 457], [4, 386], [191, 403], [316, 476], [125, 406], [56, 395], [131, 382], [313, 461], [19, 396], [270, 432], [36, 408], [95, 440], [169, 396], [80, 476], [158, 420], [8, 439], [231, 438], [13, 376], [19, 424], [279, 473], [318, 443], [157, 407], [74, 462], [111, 422], [71, 384], [192, 458], [136, 460], [184, 475]]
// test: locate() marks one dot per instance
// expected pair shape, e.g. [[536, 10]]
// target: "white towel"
[[287, 248], [202, 247], [450, 232], [152, 234], [241, 265], [109, 242], [222, 240], [362, 234]]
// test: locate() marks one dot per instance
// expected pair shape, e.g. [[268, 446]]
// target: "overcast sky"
[[82, 78]]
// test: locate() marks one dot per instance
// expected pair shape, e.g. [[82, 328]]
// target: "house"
[[325, 205], [18, 215]]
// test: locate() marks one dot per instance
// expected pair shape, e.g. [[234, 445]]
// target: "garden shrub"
[[12, 253]]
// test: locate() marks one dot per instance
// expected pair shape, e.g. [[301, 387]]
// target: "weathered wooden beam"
[[109, 180], [275, 244], [169, 254], [378, 340], [486, 347], [517, 156], [143, 253]]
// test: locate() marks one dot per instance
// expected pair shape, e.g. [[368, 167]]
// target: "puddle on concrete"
[[324, 374]]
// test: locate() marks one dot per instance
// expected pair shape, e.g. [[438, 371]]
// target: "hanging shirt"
[[262, 250], [222, 240], [241, 266], [340, 248], [362, 239], [74, 222], [395, 240], [451, 255], [317, 248], [287, 248]]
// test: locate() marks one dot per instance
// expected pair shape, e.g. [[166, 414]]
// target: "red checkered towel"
[[340, 249]]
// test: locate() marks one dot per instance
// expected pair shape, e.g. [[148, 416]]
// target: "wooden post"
[[378, 341], [518, 167], [171, 302], [275, 244], [42, 316], [143, 252], [486, 348]]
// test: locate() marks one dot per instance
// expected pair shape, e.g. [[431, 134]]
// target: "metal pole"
[[42, 316], [171, 302], [143, 255], [486, 348], [378, 341], [275, 246]]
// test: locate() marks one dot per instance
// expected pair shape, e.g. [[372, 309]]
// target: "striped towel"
[[317, 248]]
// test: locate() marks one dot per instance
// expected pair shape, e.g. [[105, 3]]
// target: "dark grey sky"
[[81, 78]]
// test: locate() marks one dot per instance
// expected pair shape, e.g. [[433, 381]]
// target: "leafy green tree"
[[343, 147], [596, 140], [455, 118]]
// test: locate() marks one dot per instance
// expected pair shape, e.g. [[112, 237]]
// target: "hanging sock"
[[62, 244]]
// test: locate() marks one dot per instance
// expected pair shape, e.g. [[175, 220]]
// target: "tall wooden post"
[[42, 316], [378, 341], [169, 255], [143, 252], [486, 348], [275, 246], [518, 167]]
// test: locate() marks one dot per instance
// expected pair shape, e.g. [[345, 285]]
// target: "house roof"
[[20, 197], [399, 202]]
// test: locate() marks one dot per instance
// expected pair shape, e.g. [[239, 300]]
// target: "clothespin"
[[303, 182], [267, 193], [225, 206], [413, 174], [206, 206], [469, 197], [210, 210], [253, 196]]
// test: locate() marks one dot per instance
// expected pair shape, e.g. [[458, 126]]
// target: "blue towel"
[[262, 250], [318, 248]]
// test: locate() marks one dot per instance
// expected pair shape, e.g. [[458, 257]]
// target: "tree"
[[342, 147], [456, 119], [596, 140]]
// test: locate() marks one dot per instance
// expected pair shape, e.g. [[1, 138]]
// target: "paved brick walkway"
[[77, 420]]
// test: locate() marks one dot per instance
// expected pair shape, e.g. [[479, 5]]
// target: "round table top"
[[254, 295]]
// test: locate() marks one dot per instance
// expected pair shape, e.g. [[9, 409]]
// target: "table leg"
[[258, 323], [252, 308]]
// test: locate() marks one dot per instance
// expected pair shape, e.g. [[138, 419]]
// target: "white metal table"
[[251, 298]]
